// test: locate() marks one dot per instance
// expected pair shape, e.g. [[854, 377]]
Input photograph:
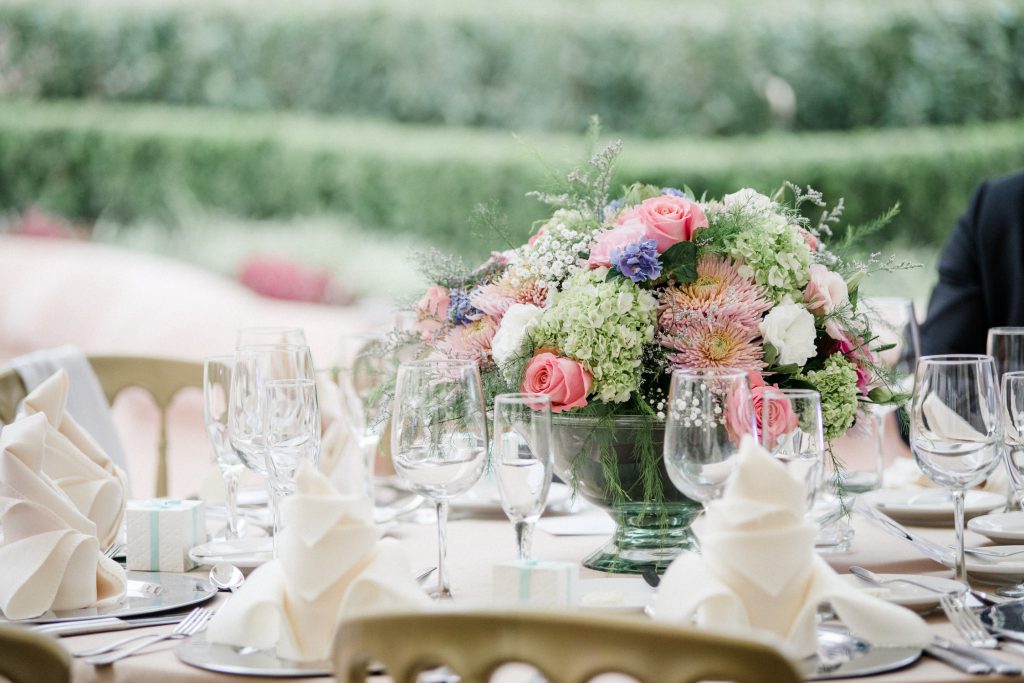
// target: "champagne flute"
[[439, 438], [955, 428], [522, 460], [365, 366], [792, 430], [709, 411], [292, 428], [1013, 454], [216, 390], [1006, 346], [893, 322]]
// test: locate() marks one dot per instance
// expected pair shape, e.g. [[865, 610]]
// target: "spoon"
[[226, 577], [873, 578]]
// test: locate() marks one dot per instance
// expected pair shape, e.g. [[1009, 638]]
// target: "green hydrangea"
[[769, 246], [837, 384], [603, 324]]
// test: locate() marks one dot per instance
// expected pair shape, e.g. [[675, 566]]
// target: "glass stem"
[[443, 588], [231, 498], [960, 568], [524, 539], [880, 420], [275, 509]]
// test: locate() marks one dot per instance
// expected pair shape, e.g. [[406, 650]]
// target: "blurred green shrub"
[[127, 163], [647, 67]]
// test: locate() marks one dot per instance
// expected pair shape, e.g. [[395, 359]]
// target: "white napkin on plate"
[[332, 565], [50, 557], [759, 574], [86, 400], [76, 463]]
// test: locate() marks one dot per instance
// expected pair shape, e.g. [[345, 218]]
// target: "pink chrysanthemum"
[[719, 292], [714, 343], [471, 341], [493, 299], [532, 293]]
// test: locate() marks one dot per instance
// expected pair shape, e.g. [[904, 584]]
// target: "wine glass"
[[292, 428], [1013, 454], [1006, 346], [894, 324], [955, 428], [709, 411], [792, 430], [216, 390], [365, 367], [439, 437], [522, 460]]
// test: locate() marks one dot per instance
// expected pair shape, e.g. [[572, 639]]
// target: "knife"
[[928, 548], [82, 626], [966, 664]]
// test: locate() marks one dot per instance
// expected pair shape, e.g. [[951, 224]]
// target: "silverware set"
[[111, 652]]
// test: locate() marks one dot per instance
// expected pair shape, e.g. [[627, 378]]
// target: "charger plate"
[[148, 593], [244, 661], [850, 656]]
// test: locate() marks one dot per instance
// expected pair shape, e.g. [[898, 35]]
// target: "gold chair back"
[[161, 378], [27, 657], [564, 647]]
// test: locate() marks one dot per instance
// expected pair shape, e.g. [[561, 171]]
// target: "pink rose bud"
[[563, 379], [616, 238], [667, 219]]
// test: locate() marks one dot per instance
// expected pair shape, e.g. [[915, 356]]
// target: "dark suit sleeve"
[[957, 319]]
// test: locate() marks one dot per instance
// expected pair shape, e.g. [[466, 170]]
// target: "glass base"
[[646, 537], [1011, 591]]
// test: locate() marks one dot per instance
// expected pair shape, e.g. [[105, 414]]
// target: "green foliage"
[[680, 262], [650, 67], [128, 163]]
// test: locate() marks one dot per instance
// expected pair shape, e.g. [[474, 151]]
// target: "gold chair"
[[162, 378], [565, 647], [27, 657]]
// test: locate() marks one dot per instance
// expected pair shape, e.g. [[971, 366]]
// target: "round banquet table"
[[475, 544]]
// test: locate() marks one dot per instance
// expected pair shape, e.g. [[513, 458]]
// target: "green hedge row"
[[128, 162], [648, 67]]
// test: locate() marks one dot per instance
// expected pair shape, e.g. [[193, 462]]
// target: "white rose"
[[789, 327], [748, 198], [826, 291], [517, 322]]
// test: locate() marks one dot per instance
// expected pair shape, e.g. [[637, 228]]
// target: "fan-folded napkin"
[[50, 557], [332, 564], [759, 573], [75, 462]]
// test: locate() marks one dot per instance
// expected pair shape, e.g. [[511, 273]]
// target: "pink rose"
[[615, 238], [432, 309], [781, 418], [563, 379], [826, 291], [667, 219], [858, 353], [536, 235], [811, 240]]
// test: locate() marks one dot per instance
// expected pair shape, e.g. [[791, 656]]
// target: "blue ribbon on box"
[[158, 504]]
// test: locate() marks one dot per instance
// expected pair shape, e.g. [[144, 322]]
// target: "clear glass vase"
[[616, 464]]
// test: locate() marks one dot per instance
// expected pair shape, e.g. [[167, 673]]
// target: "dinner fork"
[[108, 654], [970, 628]]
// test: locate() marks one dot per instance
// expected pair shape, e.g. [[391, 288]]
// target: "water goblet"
[[792, 430], [955, 428], [292, 429], [522, 460], [439, 438], [216, 390], [709, 411]]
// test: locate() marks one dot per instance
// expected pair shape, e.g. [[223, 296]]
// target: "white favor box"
[[162, 531], [537, 584]]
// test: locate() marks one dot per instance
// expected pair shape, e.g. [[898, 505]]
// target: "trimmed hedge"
[[130, 162], [647, 67]]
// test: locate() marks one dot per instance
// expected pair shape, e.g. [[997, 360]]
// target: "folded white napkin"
[[332, 565], [759, 574], [76, 463], [85, 399], [341, 457], [50, 557]]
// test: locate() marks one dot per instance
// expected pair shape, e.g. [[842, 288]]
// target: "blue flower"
[[461, 311], [673, 192], [638, 261], [612, 208]]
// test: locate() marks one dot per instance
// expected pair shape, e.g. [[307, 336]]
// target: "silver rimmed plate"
[[843, 655], [1000, 527], [245, 661], [930, 506], [148, 593]]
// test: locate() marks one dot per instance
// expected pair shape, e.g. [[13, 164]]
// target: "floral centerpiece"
[[610, 295]]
